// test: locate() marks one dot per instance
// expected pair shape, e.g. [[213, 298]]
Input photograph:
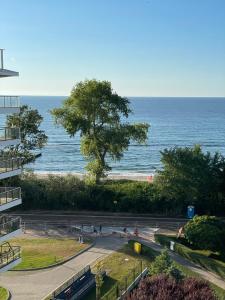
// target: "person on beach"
[[100, 229]]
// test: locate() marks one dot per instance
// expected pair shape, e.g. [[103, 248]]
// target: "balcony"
[[9, 104], [3, 71], [9, 136], [10, 256], [9, 197], [10, 227], [10, 167]]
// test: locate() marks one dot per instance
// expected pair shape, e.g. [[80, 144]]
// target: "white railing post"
[[2, 62]]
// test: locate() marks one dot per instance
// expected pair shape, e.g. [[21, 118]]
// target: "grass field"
[[120, 265], [199, 257], [43, 252], [4, 294]]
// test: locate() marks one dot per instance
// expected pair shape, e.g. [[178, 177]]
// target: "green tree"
[[98, 281], [190, 176], [206, 233], [32, 137], [164, 265], [99, 115]]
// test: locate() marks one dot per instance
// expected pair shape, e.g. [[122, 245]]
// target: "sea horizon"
[[181, 122]]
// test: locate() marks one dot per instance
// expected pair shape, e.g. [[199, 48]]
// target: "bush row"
[[70, 193]]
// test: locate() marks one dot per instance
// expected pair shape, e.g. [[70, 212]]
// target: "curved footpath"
[[35, 285], [213, 278]]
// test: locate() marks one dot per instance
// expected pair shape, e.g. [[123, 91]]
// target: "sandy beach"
[[111, 176]]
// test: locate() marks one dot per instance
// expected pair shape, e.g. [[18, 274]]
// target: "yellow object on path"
[[137, 247]]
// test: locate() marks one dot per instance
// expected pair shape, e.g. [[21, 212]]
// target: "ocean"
[[174, 122]]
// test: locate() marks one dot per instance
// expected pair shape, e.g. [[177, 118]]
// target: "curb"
[[57, 264], [9, 295]]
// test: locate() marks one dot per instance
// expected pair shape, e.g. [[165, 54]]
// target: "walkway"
[[35, 285], [213, 278]]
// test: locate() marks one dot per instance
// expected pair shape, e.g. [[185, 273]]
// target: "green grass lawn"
[[43, 252], [199, 257], [120, 265], [4, 294]]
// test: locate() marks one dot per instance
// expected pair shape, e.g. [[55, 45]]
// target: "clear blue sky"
[[144, 47]]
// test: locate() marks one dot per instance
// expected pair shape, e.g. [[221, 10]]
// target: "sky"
[[144, 47]]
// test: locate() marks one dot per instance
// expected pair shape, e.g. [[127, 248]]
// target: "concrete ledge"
[[10, 265], [10, 173], [59, 263], [11, 235]]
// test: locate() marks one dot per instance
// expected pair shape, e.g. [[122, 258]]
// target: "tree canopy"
[[32, 137], [190, 176], [206, 232], [100, 116]]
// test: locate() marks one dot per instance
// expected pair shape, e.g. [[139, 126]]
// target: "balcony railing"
[[9, 133], [10, 164], [9, 101], [9, 224], [9, 194], [8, 254]]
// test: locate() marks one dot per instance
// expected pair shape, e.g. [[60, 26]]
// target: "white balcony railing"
[[9, 101], [9, 224], [9, 133], [9, 194], [10, 164], [8, 254]]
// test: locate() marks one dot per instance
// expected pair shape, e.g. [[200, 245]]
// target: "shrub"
[[197, 289], [206, 233], [163, 287], [157, 288], [164, 265]]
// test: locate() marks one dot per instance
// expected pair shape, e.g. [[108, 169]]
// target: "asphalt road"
[[114, 219]]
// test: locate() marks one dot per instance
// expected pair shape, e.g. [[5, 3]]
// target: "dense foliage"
[[206, 233], [70, 193], [190, 176], [164, 287], [99, 115], [33, 139]]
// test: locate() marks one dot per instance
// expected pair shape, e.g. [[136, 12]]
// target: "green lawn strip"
[[118, 268], [199, 257], [120, 265], [43, 252], [4, 293]]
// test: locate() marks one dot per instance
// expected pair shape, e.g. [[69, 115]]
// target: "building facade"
[[10, 196]]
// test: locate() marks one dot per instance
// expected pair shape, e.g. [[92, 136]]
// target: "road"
[[92, 218]]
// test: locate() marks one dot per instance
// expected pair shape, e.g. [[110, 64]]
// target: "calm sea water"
[[174, 122]]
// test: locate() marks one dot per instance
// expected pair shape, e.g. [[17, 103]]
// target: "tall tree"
[[99, 115], [32, 137], [190, 176]]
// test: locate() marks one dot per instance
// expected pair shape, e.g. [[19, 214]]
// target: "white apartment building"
[[10, 226]]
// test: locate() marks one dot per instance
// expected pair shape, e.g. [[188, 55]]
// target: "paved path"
[[213, 278], [35, 285]]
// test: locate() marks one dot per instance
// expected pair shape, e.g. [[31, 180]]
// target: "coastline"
[[111, 176]]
